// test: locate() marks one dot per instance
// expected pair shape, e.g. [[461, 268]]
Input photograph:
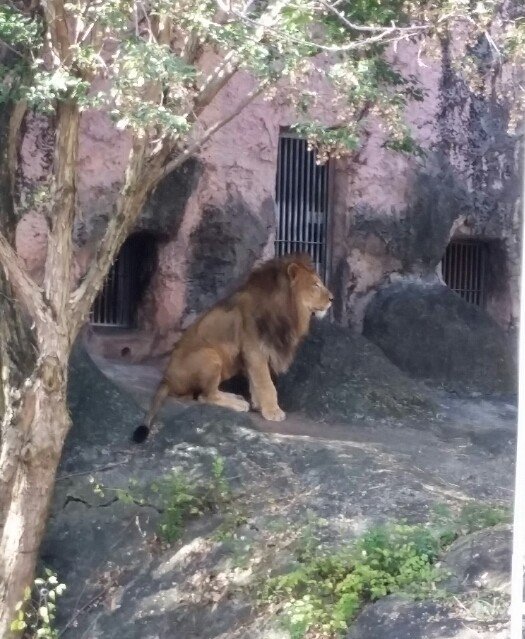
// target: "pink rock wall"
[[372, 191]]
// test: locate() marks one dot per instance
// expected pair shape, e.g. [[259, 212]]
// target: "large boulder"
[[340, 374], [397, 618], [480, 561], [431, 333]]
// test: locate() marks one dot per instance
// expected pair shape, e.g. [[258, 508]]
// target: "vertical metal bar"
[[295, 209], [306, 211], [123, 282], [289, 160], [106, 294], [279, 198], [302, 193], [448, 257], [318, 200], [468, 250], [278, 210], [465, 269], [313, 216], [455, 276], [282, 198], [479, 250], [325, 221], [460, 268], [284, 195], [473, 272], [111, 313], [483, 274]]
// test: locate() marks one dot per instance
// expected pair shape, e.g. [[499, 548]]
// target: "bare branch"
[[132, 197], [29, 293], [196, 146], [217, 79], [57, 26], [17, 117], [59, 260], [191, 47]]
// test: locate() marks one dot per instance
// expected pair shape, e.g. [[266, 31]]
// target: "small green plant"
[[35, 614], [472, 517], [233, 519], [220, 484], [174, 497], [179, 500], [326, 590]]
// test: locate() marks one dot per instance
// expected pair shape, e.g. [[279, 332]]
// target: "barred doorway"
[[464, 268], [302, 202], [117, 303]]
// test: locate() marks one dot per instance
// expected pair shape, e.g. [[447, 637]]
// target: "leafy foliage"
[[35, 615], [178, 500], [152, 83], [325, 590]]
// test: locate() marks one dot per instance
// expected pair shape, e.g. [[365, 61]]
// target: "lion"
[[254, 332]]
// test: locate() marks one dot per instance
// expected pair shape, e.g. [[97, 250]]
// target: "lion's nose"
[[331, 297]]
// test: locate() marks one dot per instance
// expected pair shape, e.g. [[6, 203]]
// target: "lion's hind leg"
[[209, 377]]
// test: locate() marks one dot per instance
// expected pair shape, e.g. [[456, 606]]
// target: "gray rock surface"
[[352, 473], [431, 333], [396, 618], [339, 374], [224, 248], [481, 561]]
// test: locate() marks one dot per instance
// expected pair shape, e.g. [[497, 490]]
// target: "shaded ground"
[[353, 472]]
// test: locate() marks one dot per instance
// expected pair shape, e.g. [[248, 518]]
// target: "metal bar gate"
[[301, 202], [464, 268], [116, 304]]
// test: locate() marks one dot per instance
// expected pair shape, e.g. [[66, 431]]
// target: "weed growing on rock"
[[35, 615], [180, 500], [472, 517], [325, 590], [175, 497]]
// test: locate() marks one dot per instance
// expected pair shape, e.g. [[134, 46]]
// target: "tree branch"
[[217, 79], [59, 260], [29, 293], [131, 200], [210, 131]]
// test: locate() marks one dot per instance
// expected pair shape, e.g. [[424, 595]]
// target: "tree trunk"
[[42, 436]]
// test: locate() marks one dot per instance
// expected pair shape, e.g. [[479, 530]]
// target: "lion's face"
[[311, 291]]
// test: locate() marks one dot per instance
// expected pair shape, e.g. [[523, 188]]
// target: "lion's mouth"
[[321, 313]]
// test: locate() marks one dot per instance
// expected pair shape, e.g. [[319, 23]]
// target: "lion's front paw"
[[274, 414]]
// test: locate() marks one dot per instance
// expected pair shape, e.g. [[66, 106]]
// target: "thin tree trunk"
[[32, 488], [17, 349]]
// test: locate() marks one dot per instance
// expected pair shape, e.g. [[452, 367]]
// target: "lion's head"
[[307, 286]]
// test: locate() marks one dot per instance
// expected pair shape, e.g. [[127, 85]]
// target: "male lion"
[[255, 331]]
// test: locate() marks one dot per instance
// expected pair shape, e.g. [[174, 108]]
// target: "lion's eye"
[[317, 285]]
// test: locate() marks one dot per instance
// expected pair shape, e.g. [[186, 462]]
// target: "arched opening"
[[126, 283]]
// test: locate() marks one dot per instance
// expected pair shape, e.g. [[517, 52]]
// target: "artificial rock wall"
[[392, 215]]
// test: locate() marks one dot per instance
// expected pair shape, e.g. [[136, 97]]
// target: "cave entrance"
[[302, 202], [126, 283]]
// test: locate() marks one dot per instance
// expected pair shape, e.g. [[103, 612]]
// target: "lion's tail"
[[141, 433]]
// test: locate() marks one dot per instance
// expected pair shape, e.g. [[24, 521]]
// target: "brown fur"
[[254, 332]]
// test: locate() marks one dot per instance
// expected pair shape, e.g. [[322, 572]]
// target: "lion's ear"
[[293, 270]]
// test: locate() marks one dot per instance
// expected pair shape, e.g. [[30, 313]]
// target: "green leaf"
[[17, 625]]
